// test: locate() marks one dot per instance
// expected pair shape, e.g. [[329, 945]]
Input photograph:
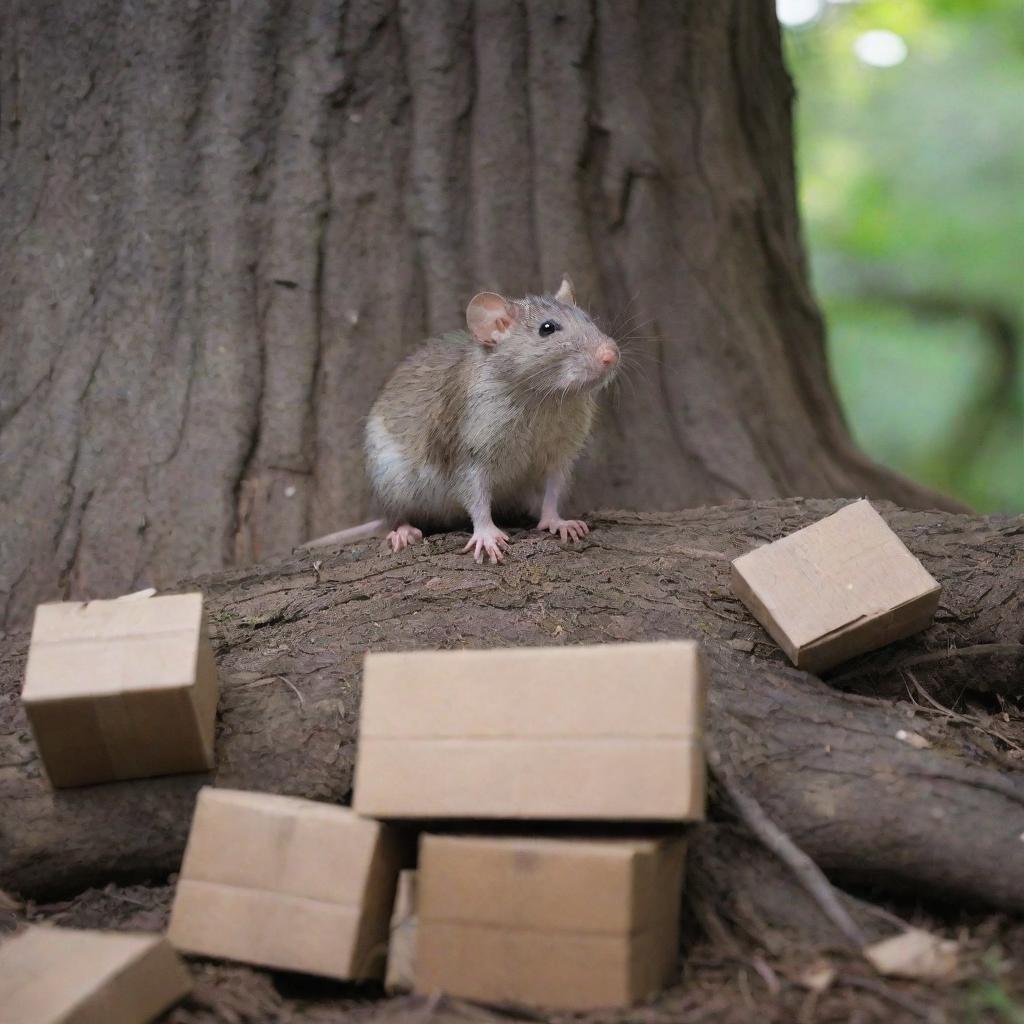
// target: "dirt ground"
[[740, 988]]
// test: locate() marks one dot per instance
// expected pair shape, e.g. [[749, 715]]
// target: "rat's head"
[[546, 343]]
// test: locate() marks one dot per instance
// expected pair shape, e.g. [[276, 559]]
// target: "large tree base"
[[271, 203]]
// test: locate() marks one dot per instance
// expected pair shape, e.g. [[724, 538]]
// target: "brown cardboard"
[[401, 970], [835, 589], [568, 924], [121, 689], [287, 883], [66, 976], [611, 732]]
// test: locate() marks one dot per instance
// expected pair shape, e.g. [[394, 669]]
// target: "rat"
[[493, 417]]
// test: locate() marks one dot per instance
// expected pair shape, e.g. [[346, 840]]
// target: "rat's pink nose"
[[607, 356]]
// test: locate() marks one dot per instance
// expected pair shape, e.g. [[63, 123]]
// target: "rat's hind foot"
[[489, 540], [402, 536], [567, 529]]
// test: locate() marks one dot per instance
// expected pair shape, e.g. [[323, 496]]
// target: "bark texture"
[[223, 224], [827, 766]]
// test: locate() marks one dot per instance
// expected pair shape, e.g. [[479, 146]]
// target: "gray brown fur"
[[515, 412]]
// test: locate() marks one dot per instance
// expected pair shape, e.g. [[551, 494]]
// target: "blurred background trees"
[[910, 148]]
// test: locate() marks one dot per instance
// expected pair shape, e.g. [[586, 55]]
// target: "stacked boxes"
[[602, 735]]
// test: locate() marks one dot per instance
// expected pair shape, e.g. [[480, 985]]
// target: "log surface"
[[826, 765]]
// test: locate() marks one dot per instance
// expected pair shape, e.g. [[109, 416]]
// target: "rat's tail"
[[349, 536]]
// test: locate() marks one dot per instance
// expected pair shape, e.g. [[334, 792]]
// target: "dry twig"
[[939, 709], [807, 873]]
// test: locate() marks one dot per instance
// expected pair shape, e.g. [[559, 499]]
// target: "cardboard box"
[[401, 972], [286, 883], [121, 689], [66, 976], [569, 924], [612, 732], [838, 588]]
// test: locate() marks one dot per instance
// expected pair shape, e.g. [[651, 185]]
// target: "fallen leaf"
[[913, 954], [818, 977], [915, 740], [8, 903]]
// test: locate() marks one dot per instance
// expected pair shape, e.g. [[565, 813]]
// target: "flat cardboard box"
[[611, 732], [66, 976], [401, 972], [567, 924], [286, 883], [838, 588], [121, 689]]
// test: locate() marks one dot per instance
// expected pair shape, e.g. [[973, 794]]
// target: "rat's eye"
[[548, 327]]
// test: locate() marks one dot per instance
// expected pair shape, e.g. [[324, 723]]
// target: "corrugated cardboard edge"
[[93, 714], [637, 970], [830, 649], [148, 980], [204, 694], [653, 865], [158, 980], [742, 589], [439, 771], [193, 930], [661, 871], [390, 674], [371, 948]]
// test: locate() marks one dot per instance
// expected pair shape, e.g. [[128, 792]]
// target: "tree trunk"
[[222, 225], [827, 767]]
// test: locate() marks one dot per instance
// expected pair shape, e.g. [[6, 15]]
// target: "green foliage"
[[912, 187], [988, 997]]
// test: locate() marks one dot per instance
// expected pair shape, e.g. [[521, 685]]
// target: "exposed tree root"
[[829, 769]]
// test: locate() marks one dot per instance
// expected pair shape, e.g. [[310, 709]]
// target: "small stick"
[[879, 988], [767, 975], [974, 723], [294, 689], [807, 873]]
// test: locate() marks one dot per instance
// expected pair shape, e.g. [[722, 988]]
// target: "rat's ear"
[[489, 318], [565, 293]]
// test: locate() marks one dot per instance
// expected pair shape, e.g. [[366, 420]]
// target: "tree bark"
[[826, 766], [222, 225]]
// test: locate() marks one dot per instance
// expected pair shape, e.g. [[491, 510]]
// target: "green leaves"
[[912, 177]]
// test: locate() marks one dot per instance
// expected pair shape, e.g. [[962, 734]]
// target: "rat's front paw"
[[490, 540], [567, 529]]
